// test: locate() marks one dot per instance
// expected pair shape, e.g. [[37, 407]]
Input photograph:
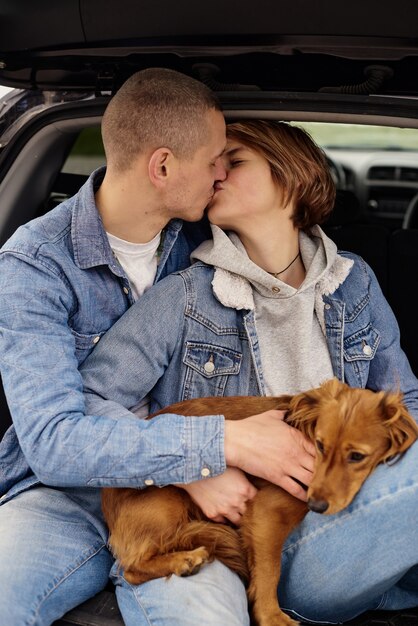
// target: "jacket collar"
[[90, 243]]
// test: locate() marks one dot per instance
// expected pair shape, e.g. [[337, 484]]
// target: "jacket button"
[[367, 350], [209, 367], [96, 340], [148, 482], [205, 472], [126, 290], [276, 289], [327, 306]]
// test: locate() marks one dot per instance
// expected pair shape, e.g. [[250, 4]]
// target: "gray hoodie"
[[289, 321]]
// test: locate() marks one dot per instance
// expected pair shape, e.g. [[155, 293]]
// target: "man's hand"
[[265, 446], [223, 497]]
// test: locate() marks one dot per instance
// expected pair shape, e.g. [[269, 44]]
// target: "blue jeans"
[[364, 558], [53, 556]]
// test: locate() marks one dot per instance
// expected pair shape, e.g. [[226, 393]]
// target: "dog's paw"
[[190, 562], [277, 619]]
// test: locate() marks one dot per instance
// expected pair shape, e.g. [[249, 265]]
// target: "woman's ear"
[[160, 166]]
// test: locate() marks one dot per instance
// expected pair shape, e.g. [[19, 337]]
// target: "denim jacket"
[[61, 290], [193, 345]]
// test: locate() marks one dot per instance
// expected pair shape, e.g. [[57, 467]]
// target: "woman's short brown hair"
[[156, 108], [298, 165]]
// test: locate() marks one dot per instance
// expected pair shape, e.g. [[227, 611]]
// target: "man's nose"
[[220, 171]]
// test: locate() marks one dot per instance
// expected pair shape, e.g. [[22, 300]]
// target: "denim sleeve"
[[390, 367], [63, 444]]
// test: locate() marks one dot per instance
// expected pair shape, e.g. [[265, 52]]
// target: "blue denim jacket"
[[200, 347], [61, 290]]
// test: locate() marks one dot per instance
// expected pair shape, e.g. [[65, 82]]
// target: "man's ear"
[[160, 165]]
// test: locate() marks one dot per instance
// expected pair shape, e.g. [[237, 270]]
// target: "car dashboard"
[[385, 182]]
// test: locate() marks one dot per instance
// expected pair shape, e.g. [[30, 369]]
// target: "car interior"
[[375, 213], [345, 72]]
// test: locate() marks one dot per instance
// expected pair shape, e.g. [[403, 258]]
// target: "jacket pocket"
[[359, 350], [84, 343], [208, 368]]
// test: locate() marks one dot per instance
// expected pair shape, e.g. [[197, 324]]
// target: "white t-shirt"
[[139, 260]]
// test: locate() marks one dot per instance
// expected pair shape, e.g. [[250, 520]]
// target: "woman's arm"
[[390, 368]]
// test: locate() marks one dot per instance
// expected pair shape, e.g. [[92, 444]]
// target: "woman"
[[269, 307]]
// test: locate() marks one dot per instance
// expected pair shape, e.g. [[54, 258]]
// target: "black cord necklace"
[[276, 274]]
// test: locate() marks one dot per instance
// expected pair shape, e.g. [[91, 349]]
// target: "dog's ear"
[[305, 407], [402, 428], [303, 412]]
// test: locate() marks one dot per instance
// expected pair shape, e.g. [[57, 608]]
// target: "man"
[[65, 279]]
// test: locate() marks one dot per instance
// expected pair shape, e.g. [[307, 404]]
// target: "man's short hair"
[[156, 108]]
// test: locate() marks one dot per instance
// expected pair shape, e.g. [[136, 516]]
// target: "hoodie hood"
[[236, 275]]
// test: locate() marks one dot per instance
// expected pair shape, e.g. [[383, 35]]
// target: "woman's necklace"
[[276, 274]]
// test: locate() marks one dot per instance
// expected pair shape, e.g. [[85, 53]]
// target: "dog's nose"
[[318, 506]]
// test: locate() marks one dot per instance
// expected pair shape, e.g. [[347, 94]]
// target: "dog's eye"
[[319, 446], [356, 457]]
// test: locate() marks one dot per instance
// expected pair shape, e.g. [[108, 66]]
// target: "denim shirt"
[[200, 347], [61, 290]]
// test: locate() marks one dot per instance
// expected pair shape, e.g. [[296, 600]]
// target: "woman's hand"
[[223, 497], [265, 446]]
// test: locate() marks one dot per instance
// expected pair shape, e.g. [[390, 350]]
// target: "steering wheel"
[[337, 173]]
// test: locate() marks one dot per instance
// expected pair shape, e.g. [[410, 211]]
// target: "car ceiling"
[[69, 22], [286, 45]]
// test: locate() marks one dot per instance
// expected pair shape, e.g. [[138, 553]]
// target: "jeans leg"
[[212, 597], [53, 555], [336, 567]]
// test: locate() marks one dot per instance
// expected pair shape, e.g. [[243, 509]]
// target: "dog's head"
[[353, 430]]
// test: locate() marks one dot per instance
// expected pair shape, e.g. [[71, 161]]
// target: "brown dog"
[[160, 531]]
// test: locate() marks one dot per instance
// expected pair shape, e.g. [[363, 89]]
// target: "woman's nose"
[[220, 173]]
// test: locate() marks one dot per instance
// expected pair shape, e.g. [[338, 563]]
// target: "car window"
[[87, 153], [379, 164], [362, 137]]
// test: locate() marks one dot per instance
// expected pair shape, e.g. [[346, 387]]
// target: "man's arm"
[[119, 369], [263, 445], [70, 443], [63, 444]]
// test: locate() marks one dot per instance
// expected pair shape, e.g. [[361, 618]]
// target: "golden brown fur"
[[158, 532]]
